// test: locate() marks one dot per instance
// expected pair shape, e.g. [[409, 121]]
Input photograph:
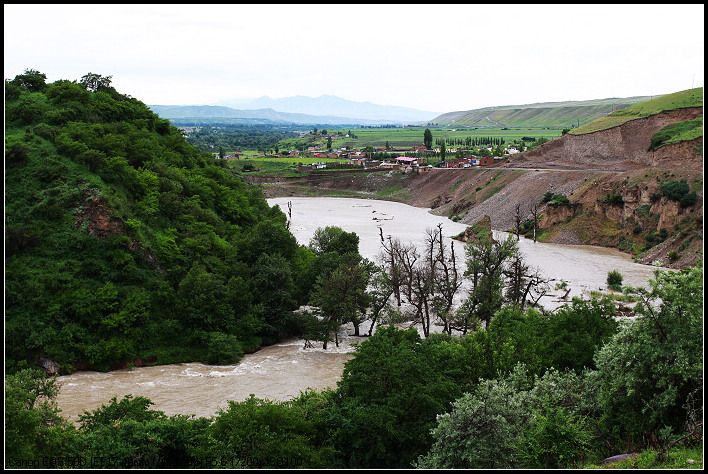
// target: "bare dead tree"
[[290, 215], [388, 259], [537, 287], [446, 280], [534, 215]]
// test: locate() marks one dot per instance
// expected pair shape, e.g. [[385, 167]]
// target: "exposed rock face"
[[49, 366], [557, 215], [96, 216], [619, 148]]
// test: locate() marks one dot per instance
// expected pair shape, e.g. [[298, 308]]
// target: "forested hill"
[[125, 245]]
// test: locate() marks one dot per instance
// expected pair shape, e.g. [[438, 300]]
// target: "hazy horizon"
[[466, 57]]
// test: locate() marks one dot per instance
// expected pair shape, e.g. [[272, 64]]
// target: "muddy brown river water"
[[282, 371]]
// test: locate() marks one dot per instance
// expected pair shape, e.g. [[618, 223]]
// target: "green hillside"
[[541, 115], [126, 245], [677, 100]]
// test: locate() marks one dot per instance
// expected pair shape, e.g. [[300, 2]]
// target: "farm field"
[[411, 136]]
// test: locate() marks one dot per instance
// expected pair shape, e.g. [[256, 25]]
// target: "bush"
[[614, 280], [222, 348], [678, 191], [515, 422], [613, 199]]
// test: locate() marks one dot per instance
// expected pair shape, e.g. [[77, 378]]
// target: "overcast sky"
[[436, 58]]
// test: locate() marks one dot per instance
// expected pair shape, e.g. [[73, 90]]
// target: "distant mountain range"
[[204, 114], [329, 105], [544, 114]]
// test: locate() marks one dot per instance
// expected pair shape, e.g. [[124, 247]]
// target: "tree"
[[334, 239], [33, 427], [32, 80], [390, 394], [486, 260], [329, 143], [428, 139], [341, 297], [442, 152], [221, 153], [95, 82], [388, 145], [648, 372], [535, 210]]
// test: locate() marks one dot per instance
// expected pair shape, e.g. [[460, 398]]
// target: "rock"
[[482, 229], [49, 366], [690, 461], [619, 457]]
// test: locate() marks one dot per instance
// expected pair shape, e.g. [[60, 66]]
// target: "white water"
[[281, 371]]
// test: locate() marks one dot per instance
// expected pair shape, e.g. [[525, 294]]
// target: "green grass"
[[286, 167], [678, 132], [621, 297], [677, 100], [677, 458]]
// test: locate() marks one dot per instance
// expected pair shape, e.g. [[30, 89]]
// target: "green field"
[[677, 100], [412, 136], [269, 166]]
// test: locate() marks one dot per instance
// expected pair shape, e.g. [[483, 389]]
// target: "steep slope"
[[124, 245], [545, 114], [678, 100], [627, 146]]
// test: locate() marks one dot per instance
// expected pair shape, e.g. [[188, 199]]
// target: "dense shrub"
[[614, 280]]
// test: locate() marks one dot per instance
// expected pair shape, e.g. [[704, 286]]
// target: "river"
[[281, 371]]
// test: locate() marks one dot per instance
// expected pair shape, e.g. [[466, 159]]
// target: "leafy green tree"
[[329, 143], [485, 268], [95, 82], [128, 434], [342, 297], [428, 139], [390, 394], [334, 239], [649, 369], [267, 434], [33, 427], [31, 79], [614, 280]]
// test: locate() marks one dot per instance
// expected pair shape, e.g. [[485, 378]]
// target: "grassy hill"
[[677, 100], [540, 115], [125, 245]]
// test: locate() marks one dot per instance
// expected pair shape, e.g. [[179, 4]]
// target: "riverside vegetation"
[[125, 243]]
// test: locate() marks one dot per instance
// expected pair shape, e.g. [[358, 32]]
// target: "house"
[[358, 161], [486, 161], [233, 156], [419, 149], [474, 162], [512, 151], [390, 166], [456, 163], [407, 161], [294, 153]]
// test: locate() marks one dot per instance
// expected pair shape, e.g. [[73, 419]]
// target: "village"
[[418, 159]]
